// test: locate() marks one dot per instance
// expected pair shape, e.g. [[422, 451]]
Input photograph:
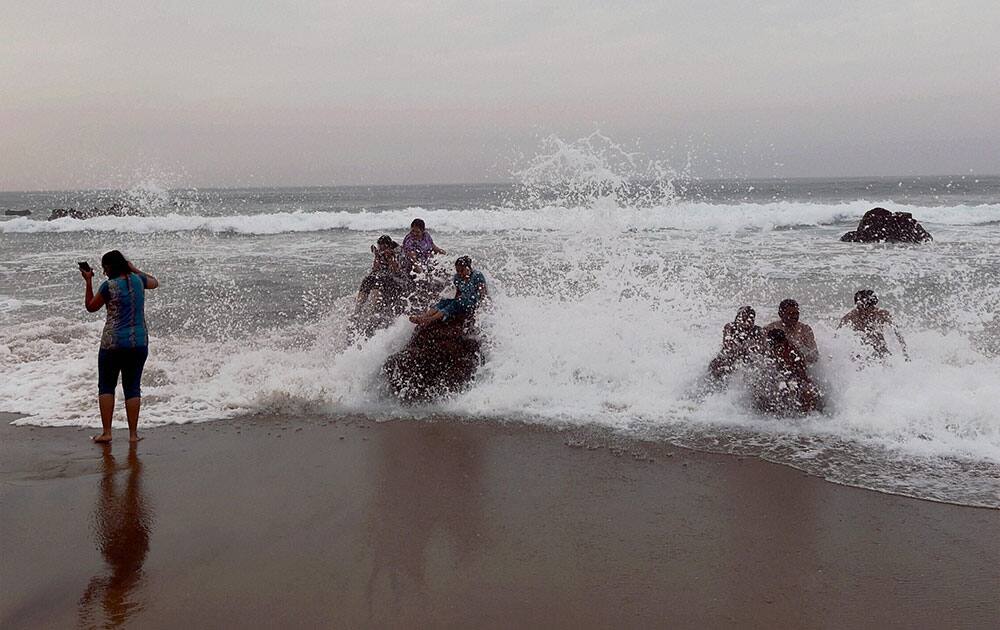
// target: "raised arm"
[[91, 302], [149, 281]]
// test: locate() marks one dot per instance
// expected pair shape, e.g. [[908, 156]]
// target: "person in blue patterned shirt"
[[470, 290], [124, 342]]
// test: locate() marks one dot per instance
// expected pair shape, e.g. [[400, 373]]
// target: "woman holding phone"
[[124, 342]]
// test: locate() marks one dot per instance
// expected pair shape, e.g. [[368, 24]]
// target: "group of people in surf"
[[404, 274], [778, 359]]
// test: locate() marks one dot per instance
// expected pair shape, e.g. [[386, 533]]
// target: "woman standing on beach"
[[124, 342]]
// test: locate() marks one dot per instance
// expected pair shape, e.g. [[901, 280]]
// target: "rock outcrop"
[[878, 225], [116, 209], [440, 358]]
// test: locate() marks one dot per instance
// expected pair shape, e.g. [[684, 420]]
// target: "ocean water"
[[610, 294]]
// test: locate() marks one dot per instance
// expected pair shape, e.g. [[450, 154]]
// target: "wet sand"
[[310, 523]]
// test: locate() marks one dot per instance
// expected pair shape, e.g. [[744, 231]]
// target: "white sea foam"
[[9, 304], [681, 215]]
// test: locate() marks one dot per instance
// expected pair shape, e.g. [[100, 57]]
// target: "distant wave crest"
[[696, 216]]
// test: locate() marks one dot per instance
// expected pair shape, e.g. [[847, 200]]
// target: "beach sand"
[[270, 522]]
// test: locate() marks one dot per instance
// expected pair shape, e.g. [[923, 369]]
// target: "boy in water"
[[741, 339], [870, 322], [470, 290], [418, 244], [799, 334]]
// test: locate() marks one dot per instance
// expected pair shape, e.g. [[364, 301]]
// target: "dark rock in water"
[[440, 358], [17, 213], [62, 213], [878, 225], [117, 209]]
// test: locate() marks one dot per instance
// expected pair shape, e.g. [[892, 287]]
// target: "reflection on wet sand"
[[122, 523], [440, 472]]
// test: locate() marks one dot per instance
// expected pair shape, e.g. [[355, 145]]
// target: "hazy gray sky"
[[242, 93]]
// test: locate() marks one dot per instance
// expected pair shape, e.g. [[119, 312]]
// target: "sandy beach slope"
[[310, 523]]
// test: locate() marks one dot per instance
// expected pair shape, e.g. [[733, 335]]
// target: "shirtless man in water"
[[870, 322], [799, 334]]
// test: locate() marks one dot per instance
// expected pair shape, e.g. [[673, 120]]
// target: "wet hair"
[[385, 239], [776, 336], [465, 262], [115, 263], [865, 297], [746, 312], [418, 223], [787, 304]]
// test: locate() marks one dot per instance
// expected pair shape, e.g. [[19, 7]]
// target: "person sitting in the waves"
[[389, 274], [124, 342], [741, 339], [418, 244], [870, 322], [470, 290], [801, 335], [781, 382]]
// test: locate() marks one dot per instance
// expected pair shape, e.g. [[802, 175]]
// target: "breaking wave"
[[678, 216]]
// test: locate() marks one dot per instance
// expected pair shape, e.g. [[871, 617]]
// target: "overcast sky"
[[237, 93]]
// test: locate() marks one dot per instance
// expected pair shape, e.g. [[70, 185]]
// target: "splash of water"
[[148, 196], [593, 168]]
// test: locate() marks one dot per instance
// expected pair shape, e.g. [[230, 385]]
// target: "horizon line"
[[506, 183]]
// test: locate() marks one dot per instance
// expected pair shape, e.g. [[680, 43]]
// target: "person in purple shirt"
[[418, 244]]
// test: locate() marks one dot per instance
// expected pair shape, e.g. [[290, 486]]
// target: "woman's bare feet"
[[132, 439], [103, 438]]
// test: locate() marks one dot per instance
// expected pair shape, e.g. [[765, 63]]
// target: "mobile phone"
[[84, 266]]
